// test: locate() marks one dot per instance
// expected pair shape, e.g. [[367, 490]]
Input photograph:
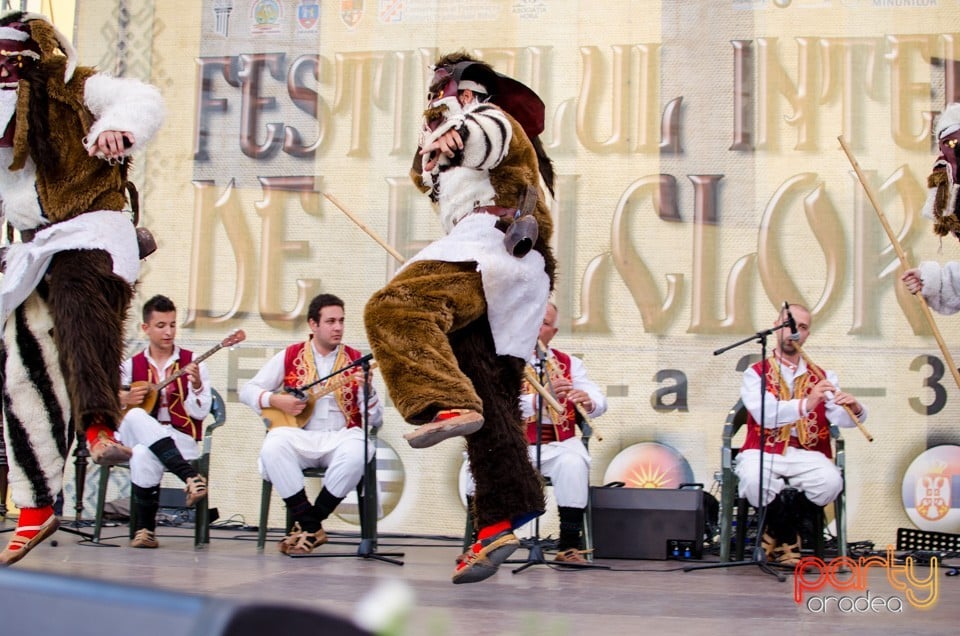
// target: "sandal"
[[20, 545]]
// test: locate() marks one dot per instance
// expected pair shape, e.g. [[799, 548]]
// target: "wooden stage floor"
[[632, 597]]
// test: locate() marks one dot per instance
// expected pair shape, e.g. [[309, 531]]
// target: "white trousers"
[[139, 430], [808, 471], [567, 464], [287, 451]]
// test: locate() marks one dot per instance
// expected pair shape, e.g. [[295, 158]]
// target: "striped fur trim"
[[36, 406]]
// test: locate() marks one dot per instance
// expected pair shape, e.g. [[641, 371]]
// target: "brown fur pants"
[[429, 333], [88, 304]]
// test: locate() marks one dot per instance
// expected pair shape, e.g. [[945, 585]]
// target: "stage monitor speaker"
[[39, 603], [647, 523]]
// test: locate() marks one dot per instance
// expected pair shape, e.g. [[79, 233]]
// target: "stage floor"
[[631, 597]]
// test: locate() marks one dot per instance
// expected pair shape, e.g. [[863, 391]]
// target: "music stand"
[[759, 557], [81, 453], [535, 543], [368, 506]]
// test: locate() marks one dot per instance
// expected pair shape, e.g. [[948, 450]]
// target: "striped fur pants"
[[36, 408]]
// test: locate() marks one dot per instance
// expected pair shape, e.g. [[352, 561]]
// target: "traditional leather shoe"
[[572, 555], [109, 452], [20, 545], [789, 553], [769, 545], [299, 541], [446, 424], [144, 539], [196, 489], [484, 557]]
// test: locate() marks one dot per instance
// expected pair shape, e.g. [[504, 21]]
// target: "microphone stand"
[[368, 505], [759, 557]]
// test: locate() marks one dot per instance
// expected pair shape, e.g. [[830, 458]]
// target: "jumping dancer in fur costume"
[[940, 284], [452, 330], [68, 285]]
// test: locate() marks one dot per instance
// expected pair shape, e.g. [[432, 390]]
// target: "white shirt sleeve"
[[198, 403], [256, 392], [581, 382]]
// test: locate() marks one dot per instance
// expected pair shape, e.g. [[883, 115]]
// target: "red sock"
[[94, 430], [33, 517], [493, 529]]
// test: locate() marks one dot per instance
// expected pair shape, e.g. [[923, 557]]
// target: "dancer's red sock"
[[33, 517], [94, 429], [493, 529]]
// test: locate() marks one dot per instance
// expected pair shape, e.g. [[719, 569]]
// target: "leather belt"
[[495, 210]]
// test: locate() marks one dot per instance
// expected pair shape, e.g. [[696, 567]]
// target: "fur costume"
[[942, 202], [68, 285], [453, 328]]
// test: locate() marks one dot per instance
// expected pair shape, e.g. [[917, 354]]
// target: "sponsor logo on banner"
[[265, 16], [529, 9], [351, 12], [928, 485], [390, 11], [308, 16], [221, 13]]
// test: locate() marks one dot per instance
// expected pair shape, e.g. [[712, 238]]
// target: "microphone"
[[794, 334]]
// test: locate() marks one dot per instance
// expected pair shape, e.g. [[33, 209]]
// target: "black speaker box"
[[647, 523], [38, 603]]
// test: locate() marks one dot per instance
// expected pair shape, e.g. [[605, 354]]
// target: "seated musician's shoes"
[[20, 544], [196, 490], [572, 555], [107, 451], [144, 539], [299, 541], [789, 553], [484, 557], [446, 424], [769, 545]]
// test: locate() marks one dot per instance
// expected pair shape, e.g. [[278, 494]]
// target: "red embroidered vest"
[[813, 431], [564, 424], [299, 370], [173, 394]]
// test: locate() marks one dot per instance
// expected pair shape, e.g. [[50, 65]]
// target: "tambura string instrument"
[[275, 417], [150, 401]]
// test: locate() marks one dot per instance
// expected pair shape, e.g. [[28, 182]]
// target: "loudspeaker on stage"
[[647, 523]]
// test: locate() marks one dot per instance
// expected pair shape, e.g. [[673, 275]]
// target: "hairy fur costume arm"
[[123, 104], [941, 286]]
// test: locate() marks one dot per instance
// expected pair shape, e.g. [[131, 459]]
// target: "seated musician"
[[801, 402], [563, 458], [326, 431], [168, 439]]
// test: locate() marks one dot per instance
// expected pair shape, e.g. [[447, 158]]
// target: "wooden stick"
[[363, 226], [534, 381], [853, 416], [947, 358]]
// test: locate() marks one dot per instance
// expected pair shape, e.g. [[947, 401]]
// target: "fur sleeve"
[[123, 104], [485, 132], [941, 286]]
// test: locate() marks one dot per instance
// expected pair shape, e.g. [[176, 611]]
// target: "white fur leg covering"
[[36, 406]]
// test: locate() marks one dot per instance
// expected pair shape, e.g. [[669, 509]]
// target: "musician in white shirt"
[[330, 436], [168, 439]]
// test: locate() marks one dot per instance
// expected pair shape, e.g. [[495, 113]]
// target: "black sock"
[[325, 504], [302, 512], [571, 526], [147, 502], [169, 455]]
